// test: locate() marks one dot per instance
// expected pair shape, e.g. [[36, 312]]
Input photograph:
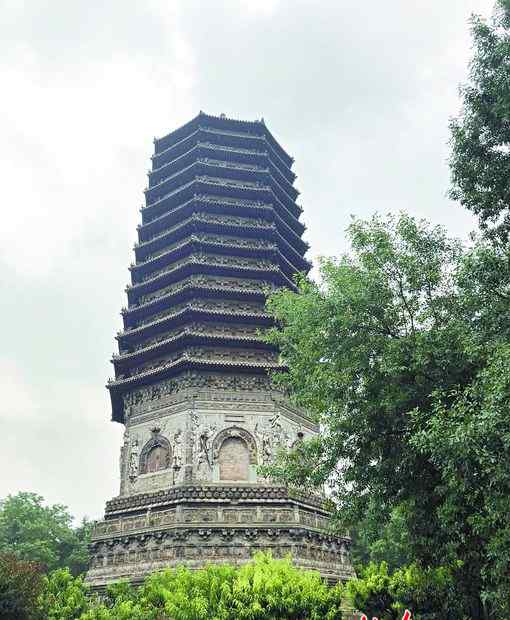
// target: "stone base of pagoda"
[[198, 525]]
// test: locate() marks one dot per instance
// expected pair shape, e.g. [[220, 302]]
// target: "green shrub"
[[428, 593], [262, 589]]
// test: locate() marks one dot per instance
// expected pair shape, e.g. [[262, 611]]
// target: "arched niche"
[[156, 455], [234, 454]]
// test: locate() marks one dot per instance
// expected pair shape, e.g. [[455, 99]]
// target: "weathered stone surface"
[[201, 525], [234, 460]]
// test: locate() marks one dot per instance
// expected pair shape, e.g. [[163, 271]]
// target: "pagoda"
[[219, 231]]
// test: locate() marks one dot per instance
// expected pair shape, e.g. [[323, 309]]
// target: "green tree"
[[78, 559], [480, 158], [400, 331], [20, 585], [122, 602], [370, 591], [43, 534], [63, 597], [469, 442], [374, 541], [426, 593], [262, 589]]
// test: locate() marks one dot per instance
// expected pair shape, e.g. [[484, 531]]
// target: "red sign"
[[406, 616]]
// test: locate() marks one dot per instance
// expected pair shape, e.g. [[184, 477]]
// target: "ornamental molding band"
[[219, 231]]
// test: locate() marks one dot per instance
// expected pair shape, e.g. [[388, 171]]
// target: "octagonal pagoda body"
[[220, 229]]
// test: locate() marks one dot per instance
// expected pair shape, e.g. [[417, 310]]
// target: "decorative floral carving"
[[248, 202], [195, 493], [259, 244], [210, 259], [205, 282], [185, 543]]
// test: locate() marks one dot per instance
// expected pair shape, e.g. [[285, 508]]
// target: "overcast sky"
[[358, 92]]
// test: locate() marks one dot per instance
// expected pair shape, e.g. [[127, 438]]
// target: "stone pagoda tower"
[[220, 228]]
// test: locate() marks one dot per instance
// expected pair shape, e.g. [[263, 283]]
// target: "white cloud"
[[17, 401]]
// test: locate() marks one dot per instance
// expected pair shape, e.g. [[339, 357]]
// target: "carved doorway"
[[234, 459]]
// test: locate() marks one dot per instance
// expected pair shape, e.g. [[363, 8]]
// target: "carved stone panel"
[[234, 459]]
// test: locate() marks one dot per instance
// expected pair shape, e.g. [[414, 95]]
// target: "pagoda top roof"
[[257, 128]]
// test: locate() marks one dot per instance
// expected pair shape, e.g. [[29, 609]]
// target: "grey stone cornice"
[[218, 148], [188, 333], [211, 130], [191, 259], [262, 137], [229, 183], [219, 492], [195, 240], [201, 161], [205, 218], [191, 308], [230, 165], [187, 360], [218, 200], [192, 285]]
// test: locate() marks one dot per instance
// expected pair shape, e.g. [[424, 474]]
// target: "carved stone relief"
[[203, 450], [274, 436], [146, 397], [123, 460], [133, 460], [265, 442], [178, 448]]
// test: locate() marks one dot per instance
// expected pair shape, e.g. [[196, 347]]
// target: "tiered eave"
[[220, 230]]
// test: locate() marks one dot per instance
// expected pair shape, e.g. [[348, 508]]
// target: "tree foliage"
[[426, 593], [63, 597], [262, 589], [20, 585], [389, 353], [480, 158], [469, 442], [43, 534], [374, 541]]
